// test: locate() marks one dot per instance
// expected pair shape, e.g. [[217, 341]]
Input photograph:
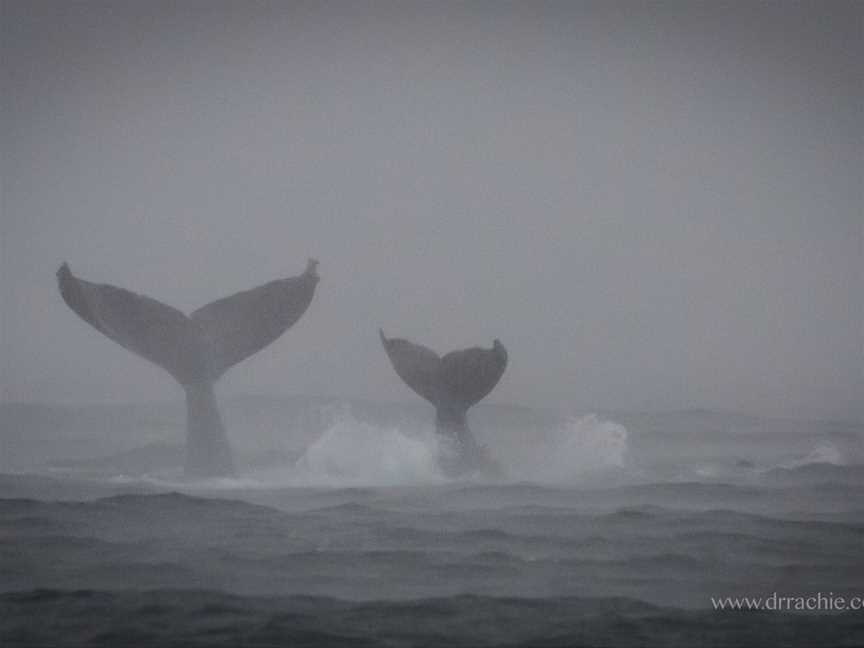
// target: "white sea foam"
[[824, 453], [355, 453]]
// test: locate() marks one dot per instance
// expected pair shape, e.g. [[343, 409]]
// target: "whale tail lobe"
[[198, 349], [146, 327]]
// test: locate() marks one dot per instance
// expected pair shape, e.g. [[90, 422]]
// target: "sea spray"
[[823, 453], [351, 451], [356, 453], [578, 449]]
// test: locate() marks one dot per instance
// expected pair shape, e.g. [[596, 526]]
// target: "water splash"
[[355, 453], [581, 448]]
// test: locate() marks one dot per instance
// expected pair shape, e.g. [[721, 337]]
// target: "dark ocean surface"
[[612, 530]]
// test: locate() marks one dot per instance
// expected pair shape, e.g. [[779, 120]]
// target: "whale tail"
[[198, 349], [452, 384]]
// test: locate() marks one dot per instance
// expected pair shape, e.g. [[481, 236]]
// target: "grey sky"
[[652, 206]]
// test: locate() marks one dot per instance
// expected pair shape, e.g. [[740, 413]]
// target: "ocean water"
[[602, 530]]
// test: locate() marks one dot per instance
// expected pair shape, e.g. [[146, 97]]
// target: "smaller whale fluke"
[[452, 384], [196, 350]]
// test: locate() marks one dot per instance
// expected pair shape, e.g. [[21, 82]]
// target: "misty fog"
[[653, 207], [615, 249]]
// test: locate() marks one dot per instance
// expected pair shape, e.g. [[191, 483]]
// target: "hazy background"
[[652, 206]]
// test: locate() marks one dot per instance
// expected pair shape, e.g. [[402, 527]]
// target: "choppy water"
[[594, 533]]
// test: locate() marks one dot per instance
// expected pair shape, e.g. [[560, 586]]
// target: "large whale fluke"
[[452, 384], [196, 350]]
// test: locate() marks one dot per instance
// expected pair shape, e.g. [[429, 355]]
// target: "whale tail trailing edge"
[[195, 350], [452, 384]]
